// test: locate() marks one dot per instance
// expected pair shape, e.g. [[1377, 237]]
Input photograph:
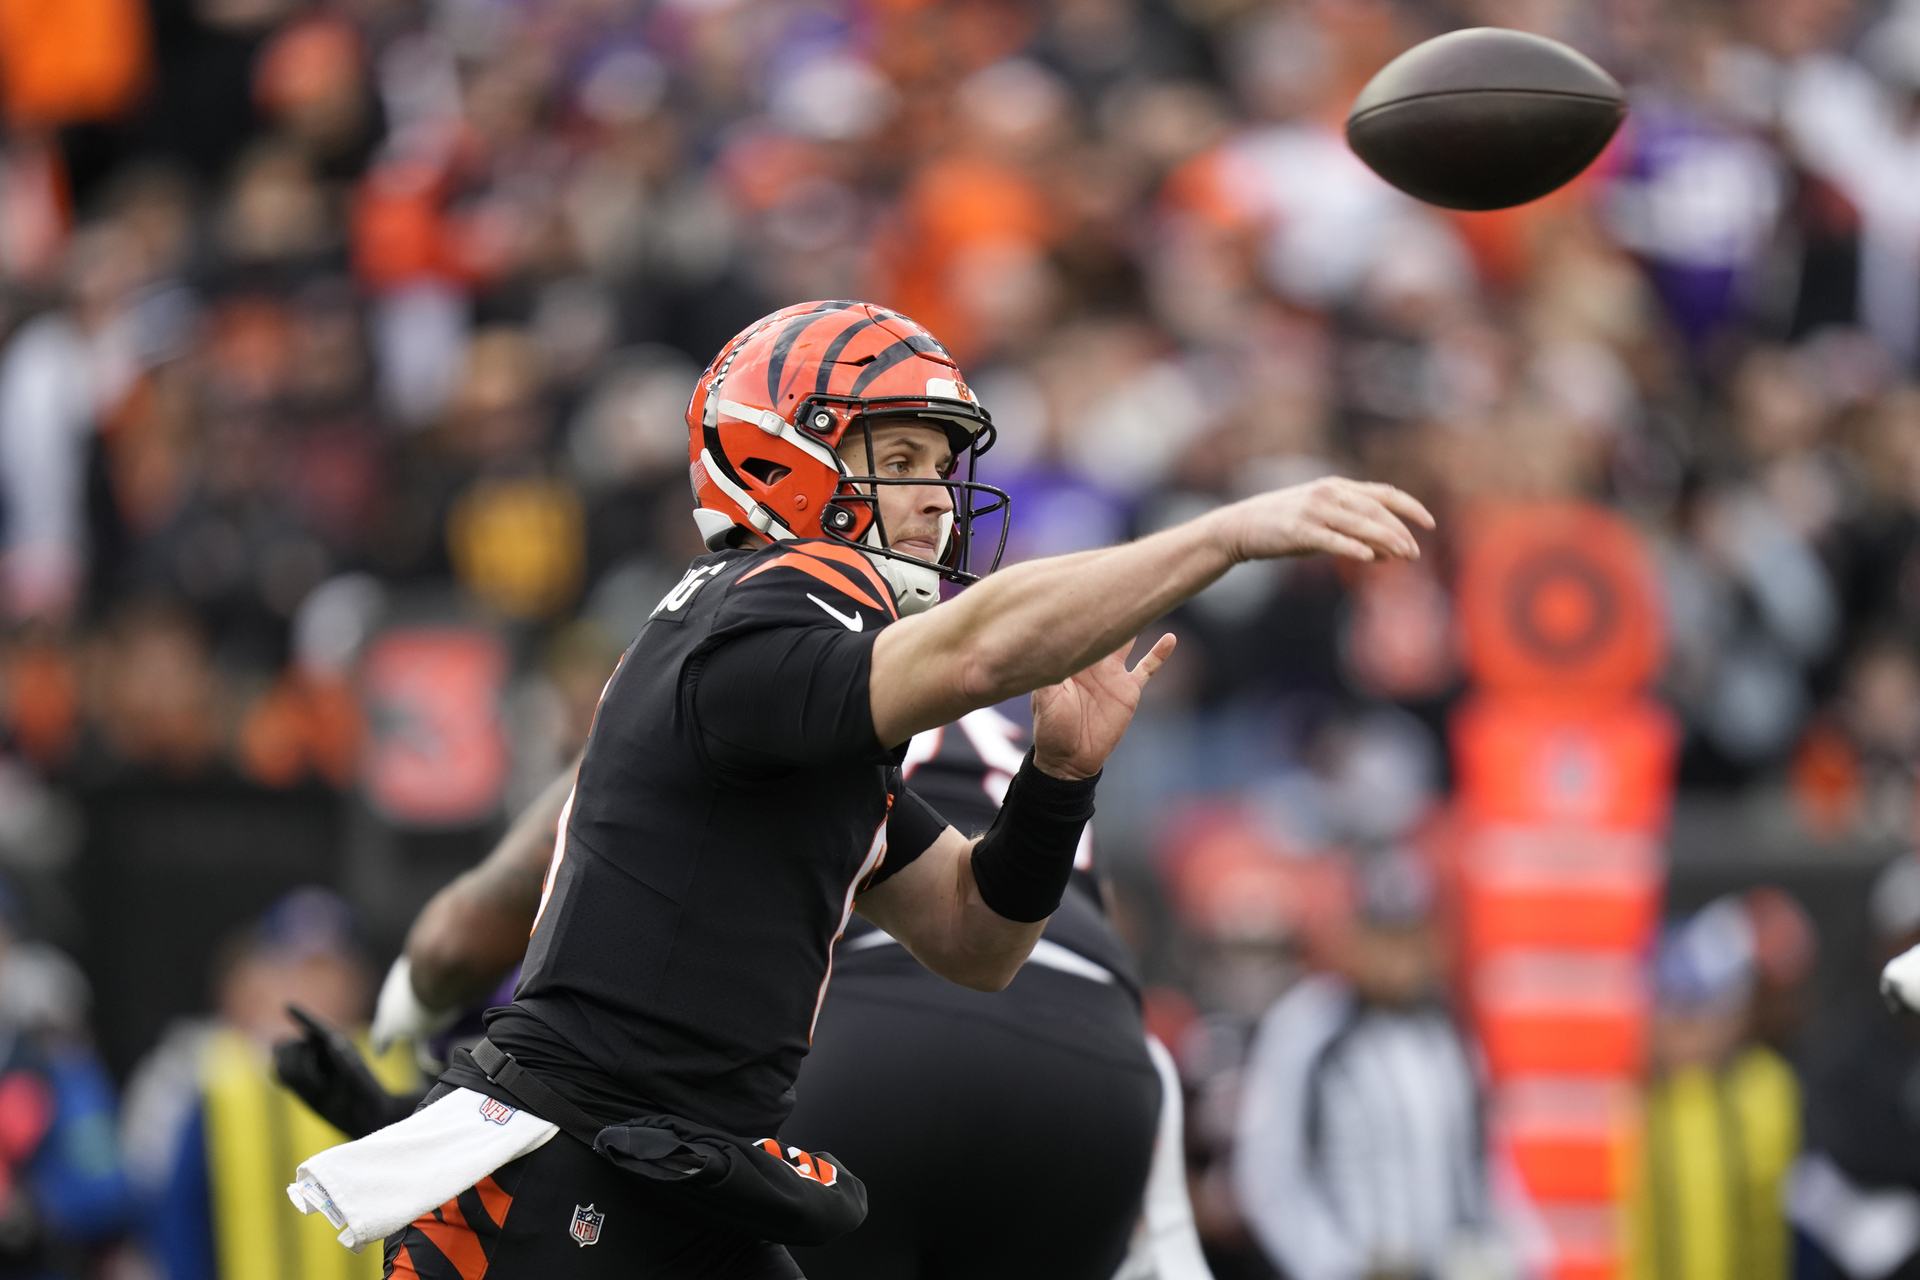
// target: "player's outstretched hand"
[[1354, 518], [1078, 722], [328, 1074]]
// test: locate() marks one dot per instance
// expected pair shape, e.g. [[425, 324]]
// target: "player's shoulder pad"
[[809, 583]]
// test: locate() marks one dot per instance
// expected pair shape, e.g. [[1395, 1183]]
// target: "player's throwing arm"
[[1038, 623], [1061, 628]]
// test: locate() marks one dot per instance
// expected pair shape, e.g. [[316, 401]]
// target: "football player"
[[739, 796], [1050, 1083]]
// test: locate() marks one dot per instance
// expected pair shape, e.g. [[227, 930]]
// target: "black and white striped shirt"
[[1359, 1147]]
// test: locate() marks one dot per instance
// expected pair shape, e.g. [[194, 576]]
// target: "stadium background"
[[341, 447]]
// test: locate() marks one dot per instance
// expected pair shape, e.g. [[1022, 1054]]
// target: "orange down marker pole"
[[1565, 779]]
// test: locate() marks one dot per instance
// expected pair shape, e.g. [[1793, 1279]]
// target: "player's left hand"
[[1078, 722], [327, 1073]]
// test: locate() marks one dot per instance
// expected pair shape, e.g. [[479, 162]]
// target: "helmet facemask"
[[853, 516]]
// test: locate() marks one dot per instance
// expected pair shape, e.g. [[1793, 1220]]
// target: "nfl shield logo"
[[586, 1225], [495, 1111]]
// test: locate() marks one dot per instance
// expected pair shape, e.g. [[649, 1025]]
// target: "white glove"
[[399, 1014], [1900, 982]]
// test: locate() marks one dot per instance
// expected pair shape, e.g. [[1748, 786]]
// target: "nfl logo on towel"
[[586, 1225], [496, 1111]]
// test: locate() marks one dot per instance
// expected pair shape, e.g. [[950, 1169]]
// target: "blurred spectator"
[[554, 708], [62, 374], [1854, 125], [1360, 1151], [207, 1125], [1753, 609], [153, 693], [1722, 1115], [1697, 194], [1855, 1194], [63, 1195], [1786, 946]]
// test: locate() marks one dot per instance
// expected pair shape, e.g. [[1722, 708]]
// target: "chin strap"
[[716, 530], [916, 587]]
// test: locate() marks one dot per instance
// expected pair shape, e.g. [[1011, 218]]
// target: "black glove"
[[329, 1075]]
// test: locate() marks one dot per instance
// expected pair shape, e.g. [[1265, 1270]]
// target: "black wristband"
[[1023, 863]]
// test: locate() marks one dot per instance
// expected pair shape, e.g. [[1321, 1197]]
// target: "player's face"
[[912, 513]]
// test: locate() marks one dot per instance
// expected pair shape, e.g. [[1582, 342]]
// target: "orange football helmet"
[[770, 413]]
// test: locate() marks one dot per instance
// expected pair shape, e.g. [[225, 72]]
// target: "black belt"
[[533, 1093], [754, 1187]]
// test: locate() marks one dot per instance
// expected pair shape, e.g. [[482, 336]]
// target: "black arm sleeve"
[[1022, 864], [784, 697], [912, 827]]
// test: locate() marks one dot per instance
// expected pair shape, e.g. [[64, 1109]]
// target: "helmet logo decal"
[[783, 345], [834, 348], [892, 356]]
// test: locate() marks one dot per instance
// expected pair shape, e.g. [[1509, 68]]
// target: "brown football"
[[1485, 118]]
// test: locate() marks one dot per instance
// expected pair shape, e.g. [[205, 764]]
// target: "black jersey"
[[732, 801], [963, 771]]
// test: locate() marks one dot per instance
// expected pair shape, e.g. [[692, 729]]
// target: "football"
[[1485, 118]]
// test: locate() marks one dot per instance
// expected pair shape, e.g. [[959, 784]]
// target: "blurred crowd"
[[345, 350]]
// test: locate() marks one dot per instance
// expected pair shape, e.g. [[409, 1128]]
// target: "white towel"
[[375, 1186]]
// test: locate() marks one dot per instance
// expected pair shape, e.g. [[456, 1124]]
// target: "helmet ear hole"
[[767, 473]]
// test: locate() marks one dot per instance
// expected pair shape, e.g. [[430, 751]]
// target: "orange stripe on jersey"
[[838, 581], [852, 559], [455, 1239], [494, 1199], [403, 1265]]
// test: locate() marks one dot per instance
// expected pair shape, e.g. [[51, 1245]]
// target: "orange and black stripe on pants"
[[455, 1241]]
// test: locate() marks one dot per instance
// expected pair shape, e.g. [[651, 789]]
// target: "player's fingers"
[[1154, 659], [1339, 544], [1366, 505], [1369, 522], [1401, 503]]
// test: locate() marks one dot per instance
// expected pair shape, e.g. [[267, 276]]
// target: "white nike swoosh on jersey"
[[851, 621]]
